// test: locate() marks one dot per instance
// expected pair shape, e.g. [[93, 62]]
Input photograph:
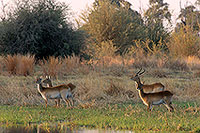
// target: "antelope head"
[[47, 81], [39, 80], [136, 77]]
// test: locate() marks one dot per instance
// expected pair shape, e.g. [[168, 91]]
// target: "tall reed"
[[19, 64], [51, 66]]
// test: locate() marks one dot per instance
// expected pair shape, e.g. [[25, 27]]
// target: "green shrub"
[[41, 28]]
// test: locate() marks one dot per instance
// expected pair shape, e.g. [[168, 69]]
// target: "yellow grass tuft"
[[193, 62], [19, 64], [87, 104], [1, 64], [25, 65], [74, 65], [51, 66]]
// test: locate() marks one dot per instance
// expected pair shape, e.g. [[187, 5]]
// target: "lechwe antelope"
[[156, 87], [149, 99], [48, 83], [154, 94], [57, 92]]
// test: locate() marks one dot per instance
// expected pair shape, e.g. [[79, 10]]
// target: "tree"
[[189, 16], [184, 42], [113, 20], [41, 28], [154, 18]]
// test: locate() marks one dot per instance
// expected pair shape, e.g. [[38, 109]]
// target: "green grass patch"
[[126, 116]]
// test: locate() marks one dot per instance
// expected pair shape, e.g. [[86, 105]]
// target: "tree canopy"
[[113, 21], [41, 28], [154, 18]]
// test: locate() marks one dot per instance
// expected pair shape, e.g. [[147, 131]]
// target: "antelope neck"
[[139, 84], [40, 88], [141, 92]]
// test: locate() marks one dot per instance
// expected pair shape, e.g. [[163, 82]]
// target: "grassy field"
[[101, 86], [124, 116], [105, 97]]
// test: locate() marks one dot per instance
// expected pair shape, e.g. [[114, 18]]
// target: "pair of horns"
[[139, 72], [43, 77]]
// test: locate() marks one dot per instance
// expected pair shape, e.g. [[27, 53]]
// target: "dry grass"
[[18, 91], [177, 64], [74, 65], [1, 65], [107, 81], [112, 61], [25, 65], [184, 43], [101, 88], [51, 66], [193, 62], [19, 64], [158, 73], [11, 63]]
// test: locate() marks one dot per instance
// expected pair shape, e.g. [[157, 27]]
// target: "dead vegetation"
[[19, 64], [101, 81]]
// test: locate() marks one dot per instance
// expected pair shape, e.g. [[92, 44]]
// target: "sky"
[[174, 5], [77, 6]]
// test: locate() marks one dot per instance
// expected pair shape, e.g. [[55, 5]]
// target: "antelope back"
[[156, 87]]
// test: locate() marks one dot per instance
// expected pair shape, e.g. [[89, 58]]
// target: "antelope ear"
[[49, 77]]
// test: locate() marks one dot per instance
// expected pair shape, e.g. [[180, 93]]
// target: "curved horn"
[[142, 72], [139, 71]]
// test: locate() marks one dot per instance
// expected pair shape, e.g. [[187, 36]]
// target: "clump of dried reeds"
[[177, 64], [74, 65], [193, 62], [1, 64], [25, 65], [51, 66], [19, 64]]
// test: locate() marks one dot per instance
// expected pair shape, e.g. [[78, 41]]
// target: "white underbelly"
[[158, 102], [53, 95]]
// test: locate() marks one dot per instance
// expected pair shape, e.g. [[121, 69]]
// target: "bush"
[[1, 64], [51, 66], [41, 28], [106, 21], [74, 65], [19, 64], [184, 43]]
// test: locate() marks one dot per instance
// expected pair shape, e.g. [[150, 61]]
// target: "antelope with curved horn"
[[57, 92], [48, 83], [156, 87], [157, 98], [153, 94]]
